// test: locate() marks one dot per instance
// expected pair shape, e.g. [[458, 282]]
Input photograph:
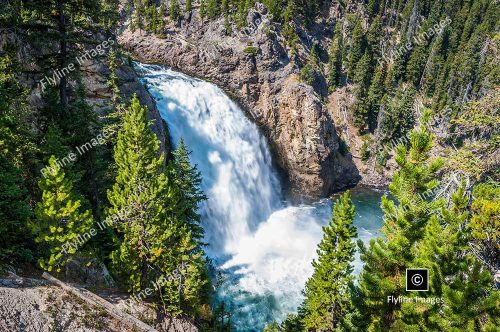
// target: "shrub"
[[365, 151], [251, 50], [308, 74]]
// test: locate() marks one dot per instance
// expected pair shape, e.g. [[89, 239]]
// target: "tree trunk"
[[62, 54]]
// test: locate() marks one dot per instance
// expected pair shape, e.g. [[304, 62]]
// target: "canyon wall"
[[255, 68]]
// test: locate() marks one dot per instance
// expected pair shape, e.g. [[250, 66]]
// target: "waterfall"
[[262, 246], [227, 148]]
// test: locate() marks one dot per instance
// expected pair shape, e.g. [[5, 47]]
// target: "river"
[[260, 244]]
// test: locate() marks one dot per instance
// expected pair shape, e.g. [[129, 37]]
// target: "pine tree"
[[373, 7], [14, 211], [61, 22], [188, 180], [152, 18], [361, 107], [400, 59], [434, 66], [275, 8], [362, 74], [113, 80], [357, 47], [416, 65], [327, 291], [424, 231], [160, 26], [18, 143], [139, 187], [485, 223], [175, 10], [82, 128], [374, 37], [273, 327], [138, 15], [463, 283], [404, 224], [109, 13], [289, 32], [221, 318], [154, 241], [309, 10], [227, 25], [212, 9], [292, 323], [335, 63], [224, 7], [376, 94], [55, 144], [241, 14], [59, 217], [189, 6], [203, 9], [400, 117]]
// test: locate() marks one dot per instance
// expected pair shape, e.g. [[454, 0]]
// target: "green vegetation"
[[158, 233], [335, 60], [308, 74], [476, 157], [390, 63], [455, 239], [386, 54], [187, 179], [50, 210], [365, 151], [175, 10], [386, 59], [251, 50], [14, 210], [426, 233], [59, 217], [292, 323], [17, 150], [327, 291]]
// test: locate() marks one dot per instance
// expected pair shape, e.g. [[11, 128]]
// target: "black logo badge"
[[417, 280]]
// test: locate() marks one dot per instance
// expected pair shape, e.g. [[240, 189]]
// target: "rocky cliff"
[[95, 75], [255, 68]]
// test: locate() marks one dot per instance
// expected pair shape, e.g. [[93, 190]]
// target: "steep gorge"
[[335, 96], [261, 74]]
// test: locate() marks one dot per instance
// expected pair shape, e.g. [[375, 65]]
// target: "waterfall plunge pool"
[[261, 245]]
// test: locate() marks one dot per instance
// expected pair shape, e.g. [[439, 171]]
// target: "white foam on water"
[[263, 247]]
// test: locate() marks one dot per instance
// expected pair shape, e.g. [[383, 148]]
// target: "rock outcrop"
[[31, 305], [95, 75], [255, 68], [34, 305]]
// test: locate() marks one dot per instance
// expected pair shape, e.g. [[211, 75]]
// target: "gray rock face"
[[95, 76], [49, 308], [90, 272], [33, 305], [253, 66]]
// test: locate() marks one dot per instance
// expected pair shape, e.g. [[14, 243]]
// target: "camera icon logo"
[[417, 280]]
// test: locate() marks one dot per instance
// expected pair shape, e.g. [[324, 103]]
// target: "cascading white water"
[[262, 247], [229, 151]]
